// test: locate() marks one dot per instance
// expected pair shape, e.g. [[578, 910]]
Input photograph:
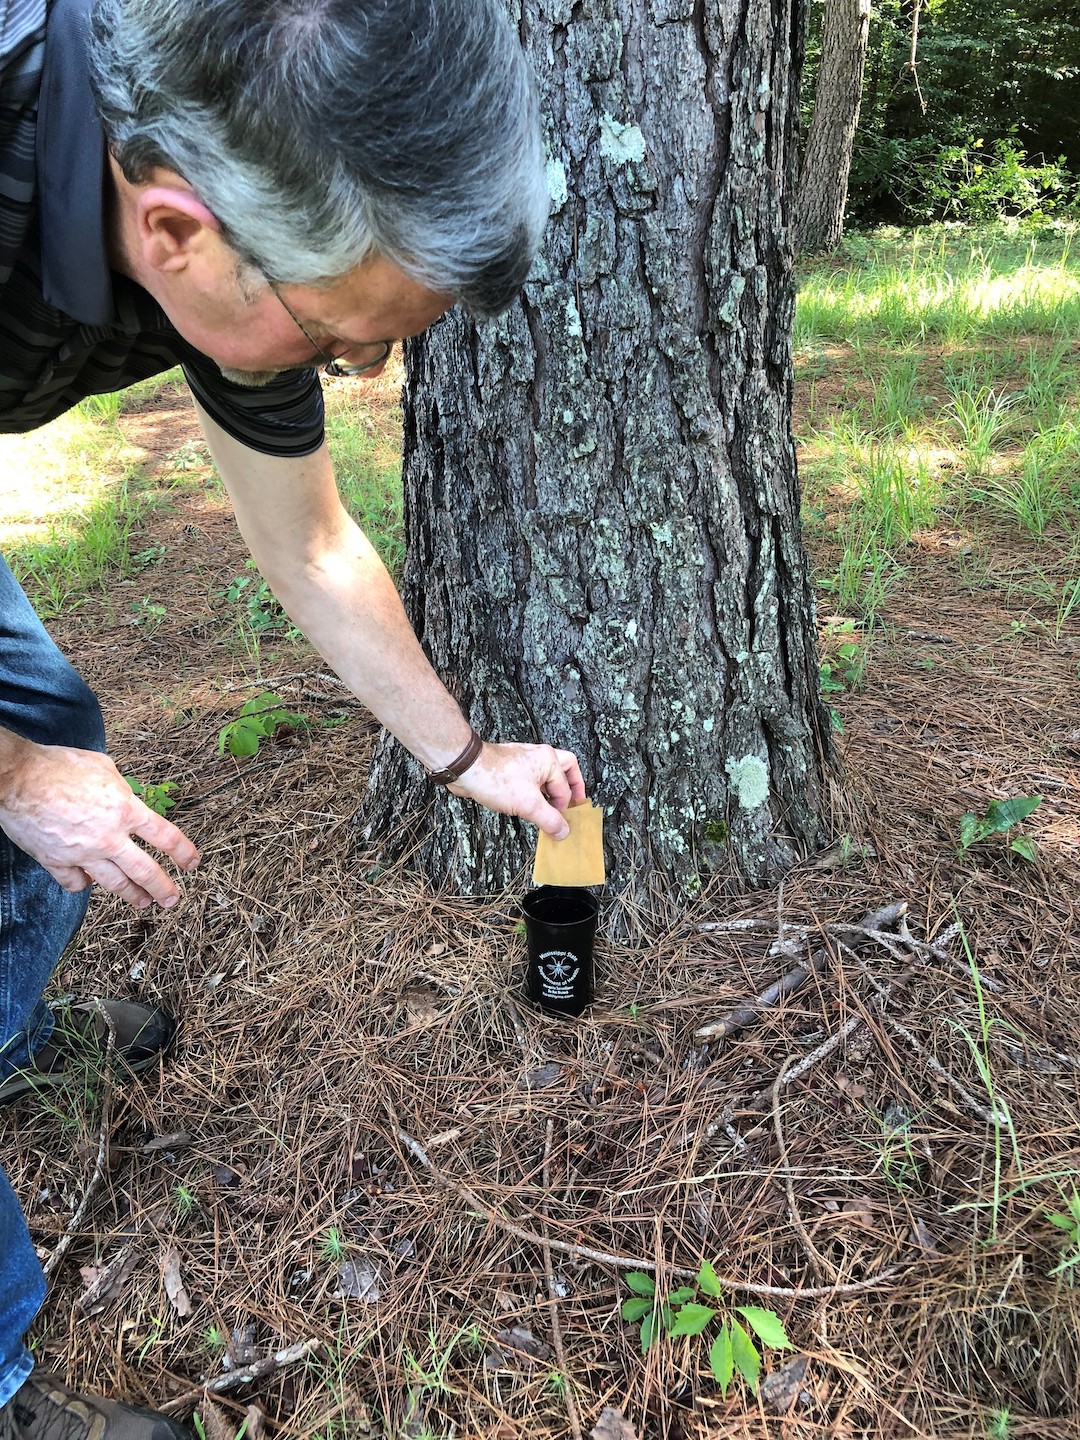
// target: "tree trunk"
[[823, 185], [601, 499]]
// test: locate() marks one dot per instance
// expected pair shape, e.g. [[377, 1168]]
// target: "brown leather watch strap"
[[457, 768]]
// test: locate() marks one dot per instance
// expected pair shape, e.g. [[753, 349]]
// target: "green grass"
[[944, 284], [368, 478], [82, 551], [942, 369]]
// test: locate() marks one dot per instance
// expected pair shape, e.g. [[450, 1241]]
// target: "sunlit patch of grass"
[[367, 465], [931, 286]]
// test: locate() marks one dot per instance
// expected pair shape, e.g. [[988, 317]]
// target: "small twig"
[[759, 1101], [76, 1220], [302, 1350], [746, 1013], [553, 1300], [817, 1260], [632, 1262], [992, 1117]]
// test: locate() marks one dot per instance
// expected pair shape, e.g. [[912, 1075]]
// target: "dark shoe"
[[46, 1409], [80, 1039]]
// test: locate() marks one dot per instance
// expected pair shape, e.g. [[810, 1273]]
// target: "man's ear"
[[174, 225]]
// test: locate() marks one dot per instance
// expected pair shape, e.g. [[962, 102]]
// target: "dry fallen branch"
[[553, 1302], [74, 1224], [303, 1350], [633, 1262], [872, 926]]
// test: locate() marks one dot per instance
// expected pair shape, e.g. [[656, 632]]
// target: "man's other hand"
[[533, 781], [76, 815]]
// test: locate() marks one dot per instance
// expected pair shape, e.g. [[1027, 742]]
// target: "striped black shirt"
[[70, 327]]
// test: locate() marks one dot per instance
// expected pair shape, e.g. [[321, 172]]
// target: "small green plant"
[[148, 613], [682, 1313], [153, 555], [260, 719], [184, 1201], [334, 1247], [999, 817], [259, 610], [158, 796], [1068, 1223], [999, 1424], [151, 1340], [213, 1339]]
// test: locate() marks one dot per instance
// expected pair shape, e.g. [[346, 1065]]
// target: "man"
[[285, 183]]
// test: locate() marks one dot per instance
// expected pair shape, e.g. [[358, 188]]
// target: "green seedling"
[[148, 613], [999, 817], [1069, 1224], [334, 1247], [157, 796], [732, 1350], [259, 608], [261, 718], [184, 1201], [212, 1339]]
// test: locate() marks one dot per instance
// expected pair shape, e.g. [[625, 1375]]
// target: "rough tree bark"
[[826, 167], [601, 499]]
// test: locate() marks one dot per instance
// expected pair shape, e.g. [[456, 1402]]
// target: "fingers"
[[548, 819], [571, 771], [69, 877], [111, 877], [163, 835]]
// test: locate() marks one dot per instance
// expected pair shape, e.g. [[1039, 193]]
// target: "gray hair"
[[322, 132]]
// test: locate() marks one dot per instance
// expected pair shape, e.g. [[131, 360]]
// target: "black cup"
[[560, 922]]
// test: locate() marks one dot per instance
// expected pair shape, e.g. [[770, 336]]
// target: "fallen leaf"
[[168, 1142], [439, 948], [849, 1087], [613, 1425], [542, 1078], [215, 1423], [256, 1423], [359, 1281], [174, 1286], [860, 1209], [420, 1007], [781, 1388], [110, 1280], [517, 1349]]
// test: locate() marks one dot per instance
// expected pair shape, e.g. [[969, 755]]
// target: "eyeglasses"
[[331, 365]]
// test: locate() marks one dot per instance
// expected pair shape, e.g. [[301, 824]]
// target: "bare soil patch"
[[332, 1013]]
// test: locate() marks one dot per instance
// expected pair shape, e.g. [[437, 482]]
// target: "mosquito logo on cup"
[[558, 970]]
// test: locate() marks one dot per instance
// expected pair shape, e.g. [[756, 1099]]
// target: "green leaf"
[[970, 832], [258, 703], [242, 738], [636, 1307], [767, 1326], [1025, 846], [680, 1296], [648, 1330], [1063, 1222], [720, 1359], [1004, 814], [640, 1283], [744, 1353], [692, 1320], [707, 1279]]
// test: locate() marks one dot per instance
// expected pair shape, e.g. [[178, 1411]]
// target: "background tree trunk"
[[601, 500], [826, 166]]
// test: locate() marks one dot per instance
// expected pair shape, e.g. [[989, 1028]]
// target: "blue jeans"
[[42, 699]]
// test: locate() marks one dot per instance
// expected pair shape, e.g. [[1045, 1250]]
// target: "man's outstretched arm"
[[332, 584]]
